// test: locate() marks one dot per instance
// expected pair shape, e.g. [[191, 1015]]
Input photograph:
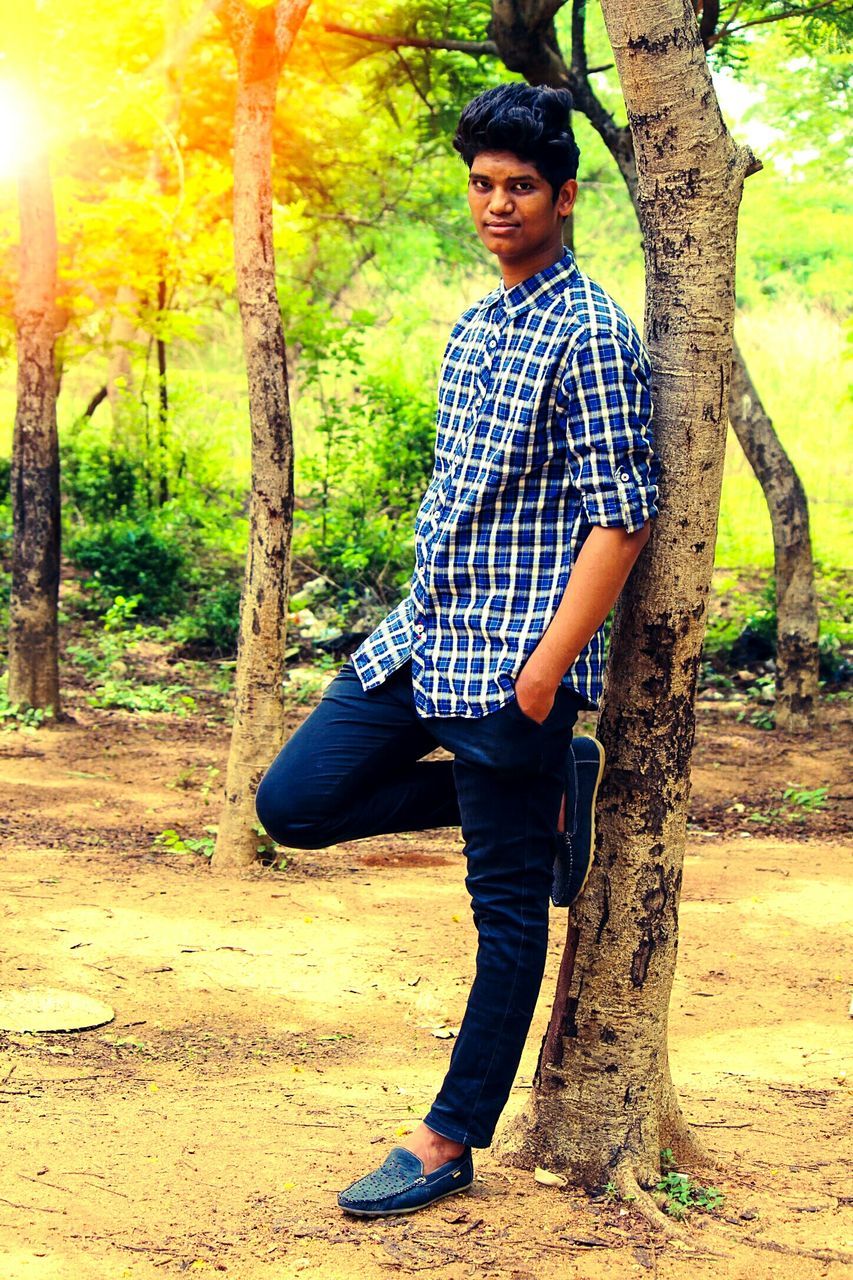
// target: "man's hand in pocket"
[[534, 698]]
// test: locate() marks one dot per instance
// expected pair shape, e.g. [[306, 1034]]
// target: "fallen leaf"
[[548, 1179]]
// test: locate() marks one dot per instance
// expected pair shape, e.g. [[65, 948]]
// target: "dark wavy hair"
[[531, 122]]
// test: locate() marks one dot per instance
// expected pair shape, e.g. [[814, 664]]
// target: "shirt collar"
[[535, 289]]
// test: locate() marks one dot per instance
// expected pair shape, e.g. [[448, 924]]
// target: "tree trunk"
[[120, 365], [162, 405], [797, 651], [33, 625], [605, 1107], [261, 39]]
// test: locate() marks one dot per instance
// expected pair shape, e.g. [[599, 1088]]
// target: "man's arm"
[[599, 574]]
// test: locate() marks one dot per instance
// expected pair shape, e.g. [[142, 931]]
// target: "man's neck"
[[514, 273]]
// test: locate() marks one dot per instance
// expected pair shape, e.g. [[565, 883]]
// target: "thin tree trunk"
[[605, 1107], [261, 39], [162, 404], [33, 625], [120, 365], [797, 651]]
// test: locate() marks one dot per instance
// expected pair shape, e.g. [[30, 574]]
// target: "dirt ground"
[[275, 1032]]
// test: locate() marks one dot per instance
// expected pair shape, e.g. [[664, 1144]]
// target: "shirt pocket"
[[518, 444]]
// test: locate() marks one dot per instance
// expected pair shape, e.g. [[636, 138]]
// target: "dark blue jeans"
[[354, 768]]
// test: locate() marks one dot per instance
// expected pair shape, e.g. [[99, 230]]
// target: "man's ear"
[[566, 198]]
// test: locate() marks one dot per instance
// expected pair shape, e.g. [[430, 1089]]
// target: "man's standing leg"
[[510, 776], [509, 783]]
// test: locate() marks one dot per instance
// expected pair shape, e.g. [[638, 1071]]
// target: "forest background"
[[375, 259]]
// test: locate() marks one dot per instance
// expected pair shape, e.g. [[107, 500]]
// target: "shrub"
[[211, 627], [130, 559], [101, 483], [364, 487]]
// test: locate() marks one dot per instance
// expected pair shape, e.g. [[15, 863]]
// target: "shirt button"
[[419, 626], [623, 475]]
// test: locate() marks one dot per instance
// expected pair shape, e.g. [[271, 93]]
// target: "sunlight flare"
[[21, 134]]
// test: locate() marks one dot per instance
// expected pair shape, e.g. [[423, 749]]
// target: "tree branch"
[[547, 13], [579, 62], [776, 17], [289, 16], [708, 21], [476, 48]]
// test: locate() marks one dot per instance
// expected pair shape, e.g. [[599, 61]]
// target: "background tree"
[[33, 674], [33, 620], [261, 40]]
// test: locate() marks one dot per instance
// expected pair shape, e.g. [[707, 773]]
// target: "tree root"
[[797, 1251], [625, 1182]]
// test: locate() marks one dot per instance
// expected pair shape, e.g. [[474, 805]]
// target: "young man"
[[538, 506]]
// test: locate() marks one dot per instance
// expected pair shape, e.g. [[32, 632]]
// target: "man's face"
[[514, 209]]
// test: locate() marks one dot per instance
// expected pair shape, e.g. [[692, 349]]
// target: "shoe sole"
[[387, 1213], [592, 823]]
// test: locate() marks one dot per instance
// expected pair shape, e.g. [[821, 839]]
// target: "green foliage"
[[809, 800], [681, 1194], [104, 662], [364, 487], [763, 692], [16, 715], [130, 558], [212, 627], [797, 804], [797, 26], [796, 236], [743, 618], [361, 483], [170, 841], [145, 699], [100, 483]]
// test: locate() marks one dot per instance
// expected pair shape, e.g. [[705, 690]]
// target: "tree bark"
[[261, 39], [604, 1107], [797, 653], [33, 623]]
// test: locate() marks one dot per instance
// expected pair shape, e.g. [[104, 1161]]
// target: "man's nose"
[[501, 200]]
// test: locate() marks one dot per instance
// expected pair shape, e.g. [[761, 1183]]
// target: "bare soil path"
[[274, 1033]]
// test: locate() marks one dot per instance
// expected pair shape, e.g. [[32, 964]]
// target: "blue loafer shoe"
[[401, 1186], [584, 767]]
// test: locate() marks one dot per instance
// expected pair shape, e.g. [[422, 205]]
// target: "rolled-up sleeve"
[[608, 401]]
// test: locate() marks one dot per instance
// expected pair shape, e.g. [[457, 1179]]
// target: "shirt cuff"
[[623, 503]]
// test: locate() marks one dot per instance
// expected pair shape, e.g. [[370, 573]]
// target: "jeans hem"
[[446, 1129]]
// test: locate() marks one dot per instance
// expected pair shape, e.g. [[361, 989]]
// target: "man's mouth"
[[501, 226]]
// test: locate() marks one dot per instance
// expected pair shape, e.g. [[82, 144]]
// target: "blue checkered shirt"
[[543, 430]]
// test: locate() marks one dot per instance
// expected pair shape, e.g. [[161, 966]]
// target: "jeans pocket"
[[522, 715]]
